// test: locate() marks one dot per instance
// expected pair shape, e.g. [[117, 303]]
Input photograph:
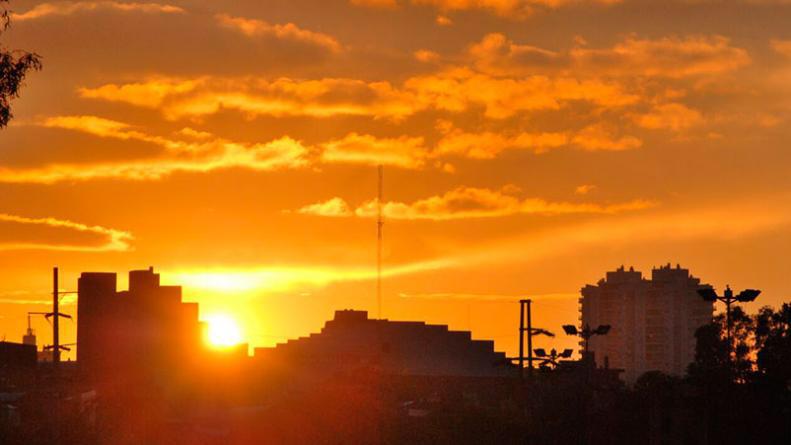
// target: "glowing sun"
[[223, 331]]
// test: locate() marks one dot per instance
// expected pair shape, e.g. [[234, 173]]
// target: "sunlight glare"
[[223, 331]]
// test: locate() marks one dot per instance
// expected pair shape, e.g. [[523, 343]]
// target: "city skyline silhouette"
[[256, 176], [422, 195]]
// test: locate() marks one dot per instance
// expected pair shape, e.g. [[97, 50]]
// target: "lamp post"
[[586, 333], [553, 357], [745, 296]]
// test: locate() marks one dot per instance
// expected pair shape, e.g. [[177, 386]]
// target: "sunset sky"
[[528, 145]]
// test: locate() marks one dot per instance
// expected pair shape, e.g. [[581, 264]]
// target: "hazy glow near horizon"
[[275, 279], [223, 331]]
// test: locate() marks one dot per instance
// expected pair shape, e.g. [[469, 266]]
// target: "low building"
[[14, 356], [406, 348]]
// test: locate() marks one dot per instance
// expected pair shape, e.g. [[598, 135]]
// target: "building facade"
[[406, 348], [653, 322], [146, 329]]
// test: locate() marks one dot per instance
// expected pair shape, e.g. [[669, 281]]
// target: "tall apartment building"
[[653, 321], [147, 329]]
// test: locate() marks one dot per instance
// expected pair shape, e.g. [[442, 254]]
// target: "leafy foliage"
[[14, 66]]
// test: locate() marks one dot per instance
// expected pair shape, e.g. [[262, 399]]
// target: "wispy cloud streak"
[[114, 240], [68, 8], [467, 203]]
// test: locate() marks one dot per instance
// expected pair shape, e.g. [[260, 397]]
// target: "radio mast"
[[379, 226]]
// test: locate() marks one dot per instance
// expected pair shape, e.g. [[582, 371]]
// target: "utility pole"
[[526, 327], [521, 339], [55, 319], [56, 316]]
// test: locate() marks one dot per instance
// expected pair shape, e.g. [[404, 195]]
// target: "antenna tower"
[[379, 226]]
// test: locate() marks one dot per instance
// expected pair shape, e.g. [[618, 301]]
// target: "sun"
[[223, 331]]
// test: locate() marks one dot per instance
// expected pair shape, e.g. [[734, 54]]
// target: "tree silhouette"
[[14, 66], [718, 362], [711, 363], [773, 341]]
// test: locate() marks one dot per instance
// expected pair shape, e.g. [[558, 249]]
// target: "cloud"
[[190, 150], [498, 55], [672, 57], [404, 151], [697, 223], [488, 145], [452, 90], [57, 234], [671, 116], [782, 47], [150, 94], [469, 202], [460, 89], [198, 152], [68, 8], [274, 155], [186, 98], [443, 20], [335, 207], [277, 154], [289, 31], [600, 137], [388, 4], [107, 128], [584, 189], [514, 9], [426, 56]]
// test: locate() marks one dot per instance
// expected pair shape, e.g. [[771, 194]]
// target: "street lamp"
[[745, 296], [552, 358], [586, 333]]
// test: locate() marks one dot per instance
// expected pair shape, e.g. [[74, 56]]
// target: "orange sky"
[[529, 146]]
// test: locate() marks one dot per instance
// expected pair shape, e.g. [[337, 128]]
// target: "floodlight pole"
[[728, 298], [585, 334], [553, 358]]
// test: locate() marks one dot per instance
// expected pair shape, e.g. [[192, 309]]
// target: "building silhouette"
[[405, 348], [653, 321], [139, 332], [17, 355]]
